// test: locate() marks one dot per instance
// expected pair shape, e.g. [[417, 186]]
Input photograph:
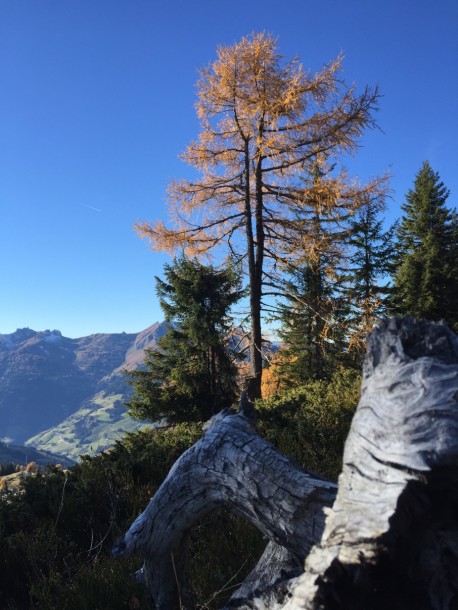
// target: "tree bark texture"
[[391, 537], [231, 467]]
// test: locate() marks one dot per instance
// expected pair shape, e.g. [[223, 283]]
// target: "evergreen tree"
[[312, 315], [371, 260], [312, 339], [192, 374], [426, 267]]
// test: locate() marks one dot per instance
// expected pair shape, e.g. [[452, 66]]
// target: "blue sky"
[[97, 102]]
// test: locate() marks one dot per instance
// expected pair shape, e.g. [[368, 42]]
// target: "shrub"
[[56, 535], [310, 423]]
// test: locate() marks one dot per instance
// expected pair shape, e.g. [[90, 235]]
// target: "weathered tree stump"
[[391, 537]]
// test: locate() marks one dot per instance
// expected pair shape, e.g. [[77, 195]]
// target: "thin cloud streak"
[[91, 207]]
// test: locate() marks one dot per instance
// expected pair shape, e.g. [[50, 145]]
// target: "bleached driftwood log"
[[232, 467], [391, 538]]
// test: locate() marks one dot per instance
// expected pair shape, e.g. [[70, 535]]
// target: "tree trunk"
[[391, 538], [255, 286]]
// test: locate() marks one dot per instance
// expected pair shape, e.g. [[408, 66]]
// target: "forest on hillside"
[[301, 246]]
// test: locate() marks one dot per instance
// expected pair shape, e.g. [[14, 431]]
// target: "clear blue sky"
[[97, 102]]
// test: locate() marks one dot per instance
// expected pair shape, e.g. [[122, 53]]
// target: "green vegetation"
[[56, 535], [366, 281], [311, 421], [192, 374], [312, 328], [426, 265]]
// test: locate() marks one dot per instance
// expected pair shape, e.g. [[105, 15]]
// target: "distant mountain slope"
[[45, 377], [14, 454], [95, 427]]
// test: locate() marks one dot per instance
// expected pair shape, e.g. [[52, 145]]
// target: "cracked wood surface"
[[231, 467]]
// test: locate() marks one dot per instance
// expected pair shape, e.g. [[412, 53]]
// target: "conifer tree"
[[313, 314], [312, 329], [264, 122], [192, 374], [370, 264], [426, 265]]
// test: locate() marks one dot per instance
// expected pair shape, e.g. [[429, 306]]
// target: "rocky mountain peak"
[[21, 335]]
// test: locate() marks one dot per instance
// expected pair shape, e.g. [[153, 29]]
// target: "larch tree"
[[264, 123], [426, 265]]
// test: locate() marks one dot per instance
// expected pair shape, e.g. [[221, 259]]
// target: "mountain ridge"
[[45, 377]]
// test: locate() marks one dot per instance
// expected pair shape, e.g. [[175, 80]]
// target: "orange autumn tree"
[[265, 125]]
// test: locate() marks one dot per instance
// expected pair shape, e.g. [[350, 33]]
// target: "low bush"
[[310, 422]]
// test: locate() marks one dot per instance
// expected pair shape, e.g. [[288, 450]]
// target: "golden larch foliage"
[[272, 136]]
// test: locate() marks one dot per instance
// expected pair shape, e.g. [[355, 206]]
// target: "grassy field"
[[90, 430]]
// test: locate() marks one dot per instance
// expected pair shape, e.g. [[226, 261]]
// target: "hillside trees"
[[333, 301], [192, 374], [265, 123], [426, 267]]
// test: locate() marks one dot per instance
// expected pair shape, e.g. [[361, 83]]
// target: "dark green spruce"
[[426, 266], [370, 264], [312, 314], [193, 373]]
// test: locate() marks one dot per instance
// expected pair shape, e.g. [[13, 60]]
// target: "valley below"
[[66, 396]]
